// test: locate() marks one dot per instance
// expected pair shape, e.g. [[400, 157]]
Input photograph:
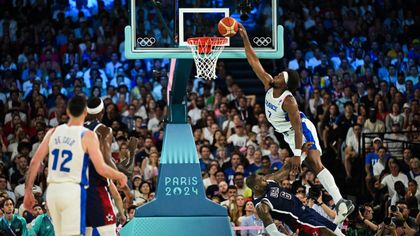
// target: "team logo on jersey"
[[270, 105], [274, 192], [285, 195], [109, 217]]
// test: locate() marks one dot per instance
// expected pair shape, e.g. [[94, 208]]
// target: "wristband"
[[272, 230], [297, 152]]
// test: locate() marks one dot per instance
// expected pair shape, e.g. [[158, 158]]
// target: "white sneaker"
[[343, 208]]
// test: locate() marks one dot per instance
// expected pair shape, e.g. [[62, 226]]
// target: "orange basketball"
[[228, 27]]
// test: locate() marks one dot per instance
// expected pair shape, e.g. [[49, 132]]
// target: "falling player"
[[283, 113], [69, 147], [274, 202]]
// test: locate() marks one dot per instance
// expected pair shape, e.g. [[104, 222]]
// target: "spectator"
[[205, 157], [413, 191], [414, 172], [379, 166], [3, 188], [210, 175], [242, 189], [352, 149], [42, 224], [390, 180], [395, 117], [251, 219], [12, 224], [239, 137], [373, 124]]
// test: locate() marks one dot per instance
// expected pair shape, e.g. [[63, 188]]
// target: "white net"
[[206, 51]]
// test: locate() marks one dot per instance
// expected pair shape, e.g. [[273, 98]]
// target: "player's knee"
[[315, 163]]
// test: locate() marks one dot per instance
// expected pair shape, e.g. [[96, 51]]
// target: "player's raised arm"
[[91, 143], [253, 60], [291, 107], [39, 156]]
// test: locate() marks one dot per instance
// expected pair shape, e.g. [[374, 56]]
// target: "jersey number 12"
[[67, 155]]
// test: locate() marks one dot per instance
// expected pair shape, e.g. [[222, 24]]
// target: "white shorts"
[[309, 135], [67, 206], [107, 230]]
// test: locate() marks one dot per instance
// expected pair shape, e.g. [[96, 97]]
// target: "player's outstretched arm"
[[263, 212], [39, 156], [91, 143], [253, 60]]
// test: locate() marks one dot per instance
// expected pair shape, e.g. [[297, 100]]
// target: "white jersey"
[[68, 162], [275, 113], [279, 119]]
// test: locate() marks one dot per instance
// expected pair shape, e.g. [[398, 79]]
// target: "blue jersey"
[[95, 179], [280, 200], [288, 208], [100, 211]]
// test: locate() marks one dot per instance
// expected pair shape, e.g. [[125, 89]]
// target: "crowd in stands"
[[359, 62]]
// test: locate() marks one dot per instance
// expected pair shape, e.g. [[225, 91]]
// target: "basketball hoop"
[[206, 51]]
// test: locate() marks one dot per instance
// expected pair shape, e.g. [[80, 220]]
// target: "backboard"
[[160, 28]]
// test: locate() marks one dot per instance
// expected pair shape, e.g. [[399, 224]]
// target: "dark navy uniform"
[[288, 208], [100, 211]]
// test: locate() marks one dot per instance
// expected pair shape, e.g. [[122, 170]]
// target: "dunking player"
[[273, 201], [100, 216], [283, 113], [69, 147]]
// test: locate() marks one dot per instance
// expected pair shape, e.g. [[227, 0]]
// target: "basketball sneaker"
[[343, 208]]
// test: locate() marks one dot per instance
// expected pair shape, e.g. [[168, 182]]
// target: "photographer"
[[361, 223], [321, 202], [398, 221], [402, 219]]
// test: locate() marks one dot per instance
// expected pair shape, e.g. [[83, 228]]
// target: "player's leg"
[[313, 219], [100, 215], [52, 201], [73, 214], [313, 159]]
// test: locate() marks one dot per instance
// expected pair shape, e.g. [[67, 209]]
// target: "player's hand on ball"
[[242, 31]]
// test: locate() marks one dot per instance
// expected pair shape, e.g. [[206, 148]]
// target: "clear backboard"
[[160, 28]]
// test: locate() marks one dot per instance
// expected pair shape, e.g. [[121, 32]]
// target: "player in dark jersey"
[[100, 216], [274, 202]]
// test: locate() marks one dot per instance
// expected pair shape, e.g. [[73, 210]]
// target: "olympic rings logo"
[[143, 42], [262, 41]]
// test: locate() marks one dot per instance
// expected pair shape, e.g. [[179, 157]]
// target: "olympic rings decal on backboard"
[[143, 42], [262, 41]]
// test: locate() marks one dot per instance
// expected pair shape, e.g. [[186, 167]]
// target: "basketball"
[[228, 27]]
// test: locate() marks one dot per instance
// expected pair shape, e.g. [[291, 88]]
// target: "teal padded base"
[[178, 226]]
